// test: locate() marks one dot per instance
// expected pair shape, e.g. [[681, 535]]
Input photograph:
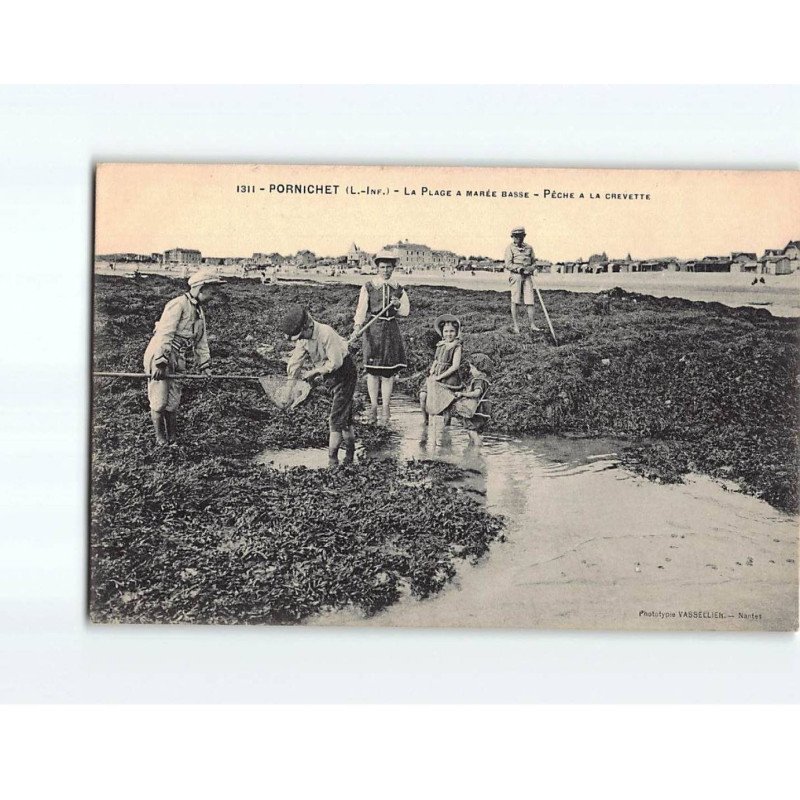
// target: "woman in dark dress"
[[382, 343]]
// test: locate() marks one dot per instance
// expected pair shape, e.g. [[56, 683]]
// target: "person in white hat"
[[182, 328], [446, 362], [519, 261], [382, 343]]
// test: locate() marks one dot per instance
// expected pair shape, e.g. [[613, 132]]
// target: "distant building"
[[356, 257], [711, 264], [489, 265], [124, 257], [180, 255], [792, 251], [419, 256], [443, 259], [743, 257], [652, 265], [268, 259], [261, 260], [598, 262], [412, 256], [776, 265], [305, 259]]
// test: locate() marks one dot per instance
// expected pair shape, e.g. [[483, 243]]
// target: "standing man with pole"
[[519, 261]]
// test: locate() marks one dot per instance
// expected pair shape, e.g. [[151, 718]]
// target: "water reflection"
[[503, 471], [588, 544], [512, 459]]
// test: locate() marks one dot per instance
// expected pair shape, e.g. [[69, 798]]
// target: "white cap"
[[203, 276]]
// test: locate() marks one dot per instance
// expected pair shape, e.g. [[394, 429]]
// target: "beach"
[[779, 294], [645, 466]]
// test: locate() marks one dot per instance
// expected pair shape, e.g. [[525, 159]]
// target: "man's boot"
[[349, 452], [160, 427], [171, 418]]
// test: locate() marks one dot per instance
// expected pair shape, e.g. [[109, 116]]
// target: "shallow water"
[[590, 545]]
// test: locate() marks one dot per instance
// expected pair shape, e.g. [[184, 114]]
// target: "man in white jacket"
[[519, 261], [182, 328]]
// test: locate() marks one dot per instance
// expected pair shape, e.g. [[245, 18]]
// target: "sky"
[[147, 208]]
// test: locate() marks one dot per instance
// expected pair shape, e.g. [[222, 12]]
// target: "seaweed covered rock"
[[220, 540], [200, 533], [694, 387]]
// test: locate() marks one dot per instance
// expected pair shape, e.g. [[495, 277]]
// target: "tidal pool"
[[591, 545]]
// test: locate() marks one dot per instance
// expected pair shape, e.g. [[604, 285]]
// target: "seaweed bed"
[[200, 533]]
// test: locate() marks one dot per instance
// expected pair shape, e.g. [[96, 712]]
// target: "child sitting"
[[472, 406], [446, 362]]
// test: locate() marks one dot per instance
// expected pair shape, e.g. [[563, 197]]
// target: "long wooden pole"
[[178, 377], [374, 319], [546, 315]]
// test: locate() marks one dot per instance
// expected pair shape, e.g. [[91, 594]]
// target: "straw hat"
[[439, 322], [386, 255]]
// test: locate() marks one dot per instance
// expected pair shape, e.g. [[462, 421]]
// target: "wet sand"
[[780, 294], [589, 545]]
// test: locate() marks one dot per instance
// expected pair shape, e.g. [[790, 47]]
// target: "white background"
[[51, 137]]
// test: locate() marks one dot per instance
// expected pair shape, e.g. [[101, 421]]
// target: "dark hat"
[[518, 230], [440, 321], [294, 320], [482, 362]]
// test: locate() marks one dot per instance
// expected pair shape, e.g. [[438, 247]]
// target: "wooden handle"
[[176, 377], [374, 319], [546, 315]]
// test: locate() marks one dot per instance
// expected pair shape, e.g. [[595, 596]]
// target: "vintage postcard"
[[445, 397]]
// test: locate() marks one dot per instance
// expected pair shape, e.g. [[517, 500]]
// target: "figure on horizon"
[[519, 260]]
